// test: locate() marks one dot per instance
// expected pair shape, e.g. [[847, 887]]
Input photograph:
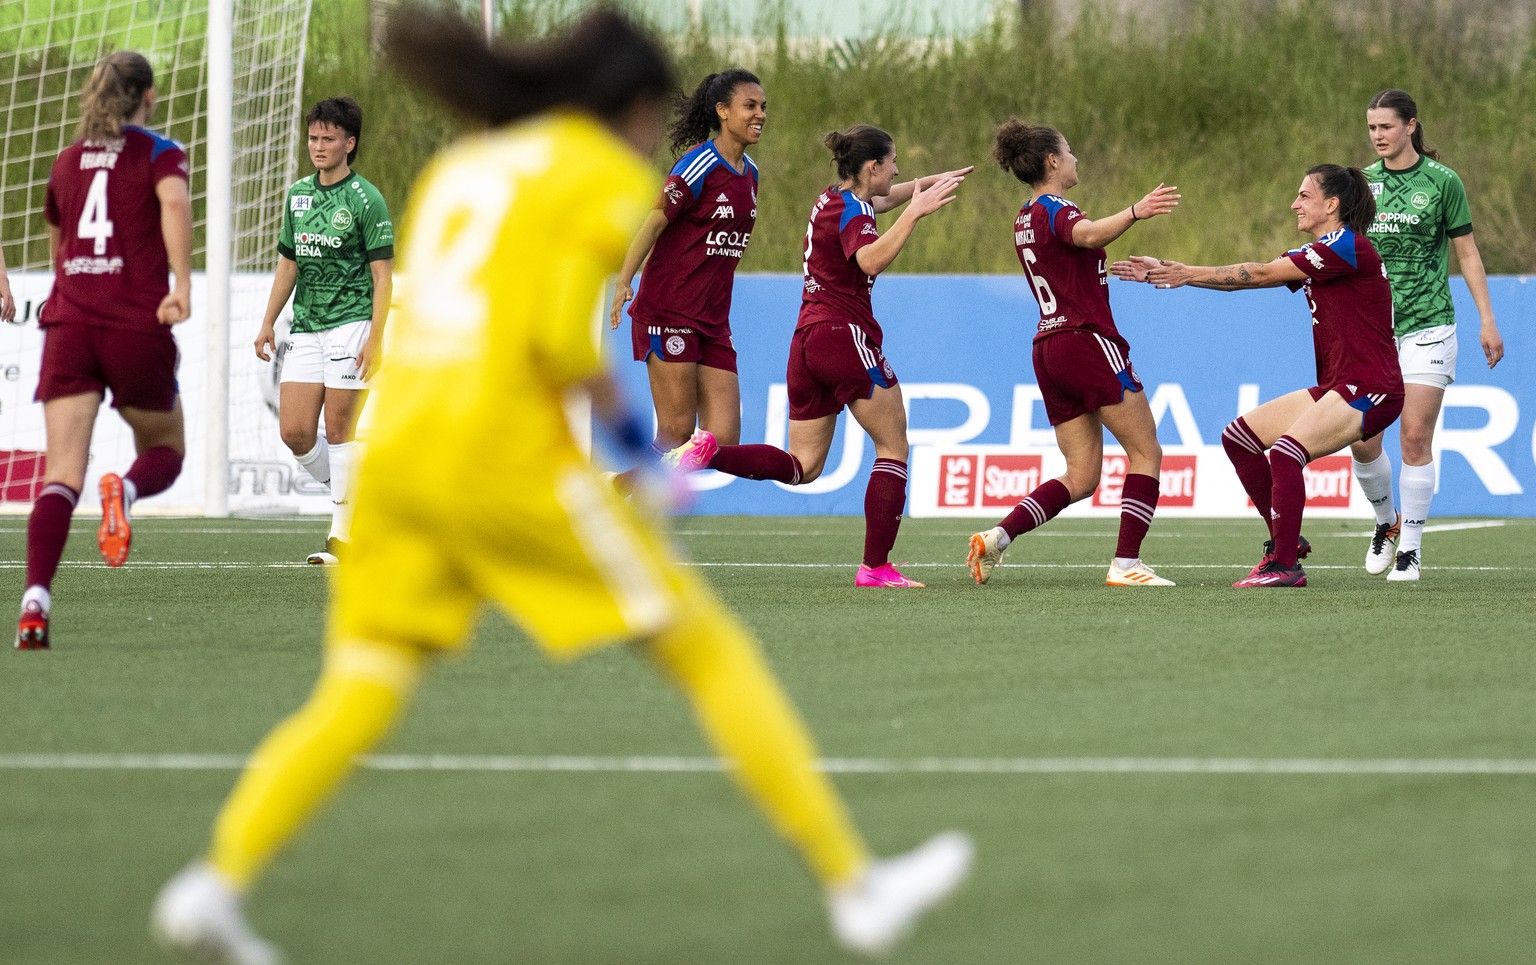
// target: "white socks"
[[317, 462], [342, 456], [1376, 482], [1418, 486]]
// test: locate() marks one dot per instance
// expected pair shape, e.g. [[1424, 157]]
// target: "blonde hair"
[[112, 94]]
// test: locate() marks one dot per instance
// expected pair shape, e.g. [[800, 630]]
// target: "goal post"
[[228, 74]]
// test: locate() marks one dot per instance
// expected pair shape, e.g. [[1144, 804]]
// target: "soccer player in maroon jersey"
[[691, 244], [1359, 390], [835, 357], [119, 224], [1082, 363]]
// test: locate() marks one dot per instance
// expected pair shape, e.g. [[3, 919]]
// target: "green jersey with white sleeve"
[[334, 232], [1418, 211]]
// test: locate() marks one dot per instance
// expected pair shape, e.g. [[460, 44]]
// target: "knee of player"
[[299, 439], [1418, 444]]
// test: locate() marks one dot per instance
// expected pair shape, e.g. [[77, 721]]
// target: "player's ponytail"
[[1357, 206], [113, 93], [1399, 103], [603, 64], [1022, 149], [855, 146], [696, 115]]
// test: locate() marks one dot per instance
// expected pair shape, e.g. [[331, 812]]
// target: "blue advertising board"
[[960, 345]]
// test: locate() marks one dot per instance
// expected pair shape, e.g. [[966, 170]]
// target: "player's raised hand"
[[622, 293], [1134, 268], [1169, 274], [1160, 200], [936, 196], [958, 174]]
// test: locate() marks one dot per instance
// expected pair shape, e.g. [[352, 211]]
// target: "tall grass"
[[1233, 104]]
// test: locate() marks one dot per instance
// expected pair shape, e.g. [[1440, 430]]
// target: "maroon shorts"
[[1377, 409], [830, 365], [677, 343], [1081, 372], [139, 367]]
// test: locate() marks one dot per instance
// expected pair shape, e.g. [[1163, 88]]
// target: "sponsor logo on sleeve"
[[674, 194], [1313, 258]]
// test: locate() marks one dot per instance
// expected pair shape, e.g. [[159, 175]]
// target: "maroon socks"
[[764, 462], [1138, 502], [47, 531], [884, 499], [1037, 509], [1287, 458]]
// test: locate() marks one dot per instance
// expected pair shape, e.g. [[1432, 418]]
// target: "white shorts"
[[1428, 356], [328, 357]]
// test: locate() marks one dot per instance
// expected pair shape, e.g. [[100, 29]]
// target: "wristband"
[[1133, 212]]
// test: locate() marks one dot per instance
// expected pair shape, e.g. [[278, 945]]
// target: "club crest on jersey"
[[675, 345], [1420, 200], [341, 220], [300, 202]]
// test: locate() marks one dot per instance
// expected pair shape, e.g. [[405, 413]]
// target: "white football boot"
[[1382, 552], [198, 914], [1406, 568], [872, 914]]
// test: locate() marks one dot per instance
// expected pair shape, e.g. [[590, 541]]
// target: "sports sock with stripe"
[[1038, 508], [1287, 458], [1138, 503]]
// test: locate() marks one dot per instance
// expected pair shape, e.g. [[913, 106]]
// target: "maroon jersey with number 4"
[[111, 268], [1070, 283], [836, 288], [1351, 302]]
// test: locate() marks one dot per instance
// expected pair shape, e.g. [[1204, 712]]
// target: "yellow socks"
[[748, 718], [361, 691]]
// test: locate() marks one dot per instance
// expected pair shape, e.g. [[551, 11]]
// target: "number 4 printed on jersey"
[[95, 225]]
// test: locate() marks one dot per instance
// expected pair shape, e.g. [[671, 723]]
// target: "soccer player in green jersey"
[[335, 255], [1421, 212]]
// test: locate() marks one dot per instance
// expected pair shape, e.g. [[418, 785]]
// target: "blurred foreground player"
[[520, 227]]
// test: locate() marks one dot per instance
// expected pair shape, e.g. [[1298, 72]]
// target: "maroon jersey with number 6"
[[836, 289], [111, 268], [1070, 283]]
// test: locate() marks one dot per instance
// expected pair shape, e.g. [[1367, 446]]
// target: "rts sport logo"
[[1176, 484], [1328, 482], [988, 481]]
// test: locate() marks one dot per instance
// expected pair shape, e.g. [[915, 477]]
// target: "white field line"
[[741, 564], [1448, 767]]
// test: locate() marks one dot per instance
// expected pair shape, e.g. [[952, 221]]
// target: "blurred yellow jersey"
[[471, 487], [509, 239]]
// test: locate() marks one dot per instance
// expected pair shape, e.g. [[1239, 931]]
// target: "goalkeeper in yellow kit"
[[517, 229]]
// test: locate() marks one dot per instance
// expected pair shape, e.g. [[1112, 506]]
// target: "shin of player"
[[107, 327], [1081, 361]]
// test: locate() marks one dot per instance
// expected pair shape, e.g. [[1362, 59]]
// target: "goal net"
[[228, 74]]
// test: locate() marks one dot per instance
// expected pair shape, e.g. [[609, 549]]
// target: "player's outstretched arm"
[[1096, 234], [1134, 268], [877, 257], [902, 193], [1227, 278], [639, 250]]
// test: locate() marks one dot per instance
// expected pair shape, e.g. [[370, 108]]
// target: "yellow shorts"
[[561, 553]]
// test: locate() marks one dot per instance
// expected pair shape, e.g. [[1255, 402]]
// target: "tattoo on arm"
[[1235, 275]]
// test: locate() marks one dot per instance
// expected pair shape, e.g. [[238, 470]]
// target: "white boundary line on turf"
[[558, 764], [742, 564]]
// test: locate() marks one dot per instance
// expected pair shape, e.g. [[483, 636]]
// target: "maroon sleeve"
[[1319, 262], [51, 206], [676, 197], [1065, 221], [171, 163], [858, 232]]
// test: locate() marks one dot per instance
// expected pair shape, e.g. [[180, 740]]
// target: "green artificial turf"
[[207, 638]]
